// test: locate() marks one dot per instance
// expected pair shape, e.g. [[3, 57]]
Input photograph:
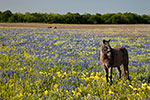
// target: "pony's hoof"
[[111, 82]]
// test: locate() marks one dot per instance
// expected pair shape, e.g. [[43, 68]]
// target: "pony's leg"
[[119, 72], [106, 70], [126, 71], [110, 71]]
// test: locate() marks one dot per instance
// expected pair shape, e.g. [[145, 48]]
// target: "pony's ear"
[[104, 41], [109, 40]]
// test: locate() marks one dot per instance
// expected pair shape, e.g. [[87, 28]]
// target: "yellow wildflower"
[[88, 85], [103, 78], [96, 77], [11, 80], [92, 73], [58, 74], [131, 86], [94, 48], [133, 94], [89, 95], [80, 54], [110, 92], [148, 87], [73, 72], [85, 98], [41, 72], [34, 91], [72, 61], [56, 44], [129, 99], [138, 94], [83, 75], [52, 69], [38, 81], [135, 89], [21, 69], [97, 74], [56, 86], [12, 85], [54, 77], [65, 73], [31, 69], [25, 53], [45, 92], [56, 54], [144, 86], [67, 91], [74, 92], [78, 94], [139, 89], [87, 54], [57, 90], [20, 95], [79, 89], [92, 77], [86, 79]]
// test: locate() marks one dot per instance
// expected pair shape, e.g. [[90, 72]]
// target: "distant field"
[[138, 29], [80, 26]]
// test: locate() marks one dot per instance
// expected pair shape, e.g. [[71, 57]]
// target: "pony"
[[114, 57]]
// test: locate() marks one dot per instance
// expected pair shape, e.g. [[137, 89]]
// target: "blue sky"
[[76, 6]]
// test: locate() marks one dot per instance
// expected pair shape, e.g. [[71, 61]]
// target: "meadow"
[[64, 64]]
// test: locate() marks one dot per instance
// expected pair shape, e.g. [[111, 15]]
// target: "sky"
[[76, 6]]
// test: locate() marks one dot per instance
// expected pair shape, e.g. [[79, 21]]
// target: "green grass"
[[64, 64]]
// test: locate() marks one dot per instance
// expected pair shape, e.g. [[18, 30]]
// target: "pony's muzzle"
[[108, 50]]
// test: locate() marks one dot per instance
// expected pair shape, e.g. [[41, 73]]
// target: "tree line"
[[75, 18]]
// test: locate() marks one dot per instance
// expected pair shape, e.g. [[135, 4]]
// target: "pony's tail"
[[125, 56], [125, 63]]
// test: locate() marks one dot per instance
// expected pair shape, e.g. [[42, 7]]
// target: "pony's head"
[[106, 46]]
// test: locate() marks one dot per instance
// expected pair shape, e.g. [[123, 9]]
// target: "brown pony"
[[114, 57]]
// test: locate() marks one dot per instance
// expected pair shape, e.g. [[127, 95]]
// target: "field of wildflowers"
[[65, 64]]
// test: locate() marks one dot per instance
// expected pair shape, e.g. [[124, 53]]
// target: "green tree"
[[69, 19], [94, 19], [107, 18], [98, 18], [118, 18], [38, 17], [145, 19], [57, 18], [17, 17], [5, 16], [29, 17], [133, 18], [0, 16], [76, 18], [87, 18]]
